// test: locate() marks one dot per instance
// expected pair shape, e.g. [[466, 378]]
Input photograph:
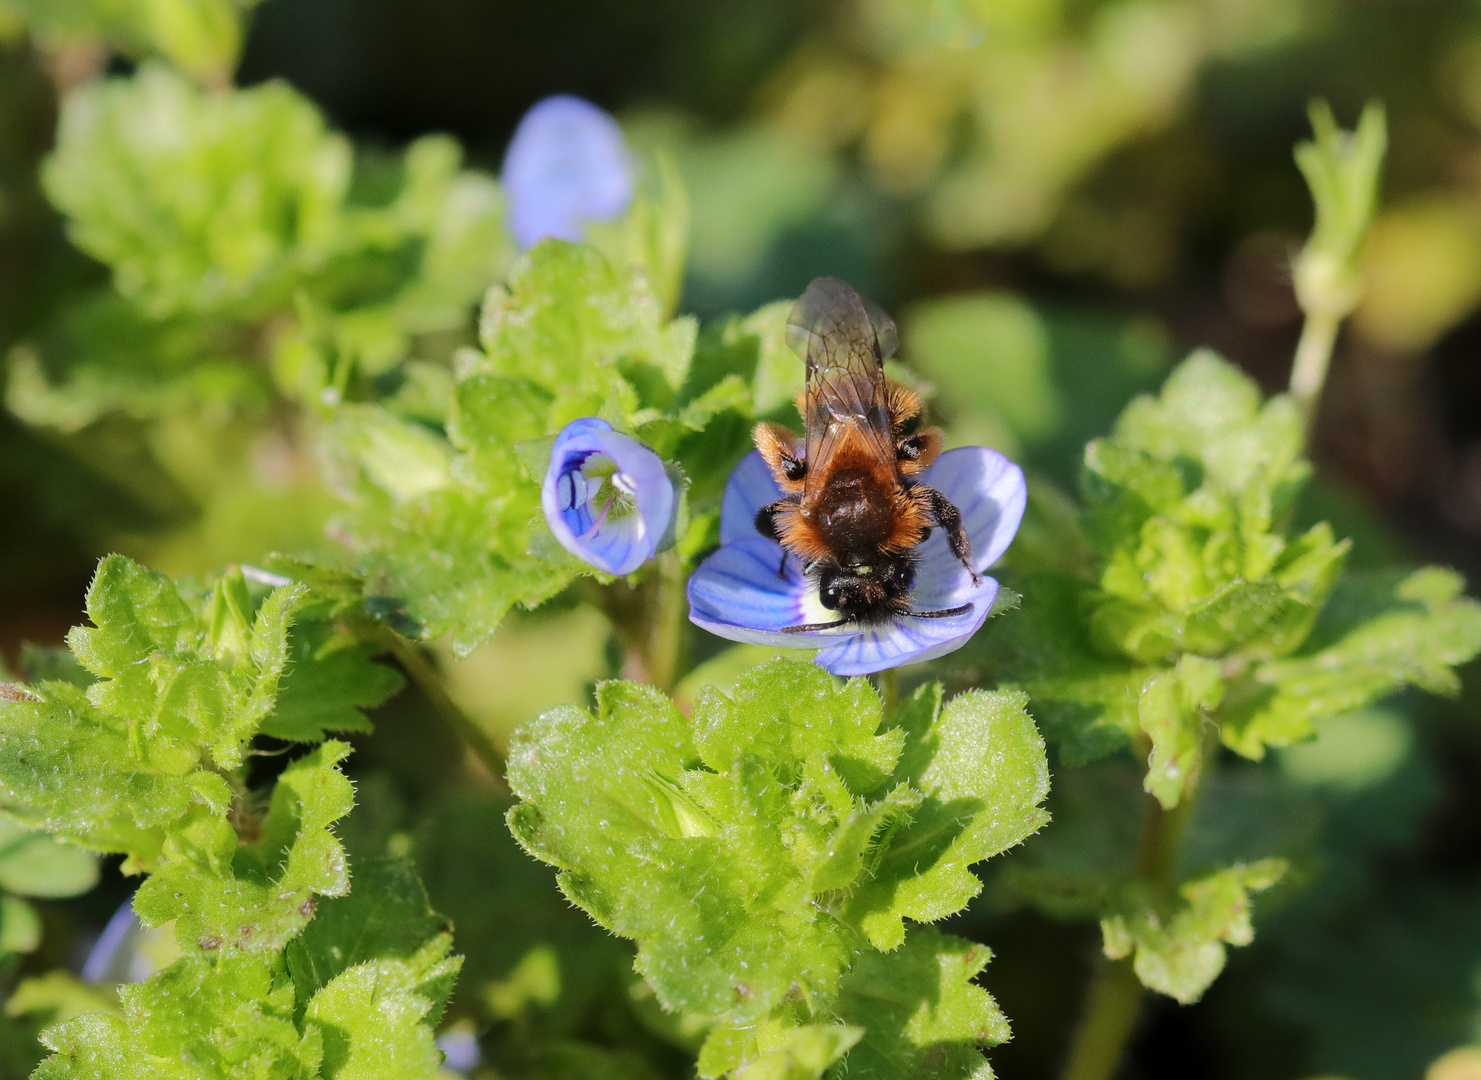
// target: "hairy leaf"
[[1179, 950], [741, 849]]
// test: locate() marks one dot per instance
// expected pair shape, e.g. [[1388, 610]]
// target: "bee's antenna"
[[813, 627], [944, 613]]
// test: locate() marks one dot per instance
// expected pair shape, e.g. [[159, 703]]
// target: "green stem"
[[650, 621], [1114, 998], [429, 681], [669, 638], [1313, 357], [1112, 1005]]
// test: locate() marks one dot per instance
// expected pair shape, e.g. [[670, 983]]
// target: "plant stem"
[[429, 681], [1112, 1006], [649, 621], [1313, 357], [1113, 1000], [668, 637]]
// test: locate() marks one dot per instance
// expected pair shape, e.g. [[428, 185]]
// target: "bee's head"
[[858, 587]]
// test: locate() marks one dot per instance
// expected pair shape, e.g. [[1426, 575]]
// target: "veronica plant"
[[757, 853]]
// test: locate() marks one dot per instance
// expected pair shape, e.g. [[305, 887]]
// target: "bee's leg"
[[945, 514], [778, 446], [766, 526], [915, 453]]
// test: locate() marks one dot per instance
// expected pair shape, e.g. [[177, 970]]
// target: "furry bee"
[[852, 509]]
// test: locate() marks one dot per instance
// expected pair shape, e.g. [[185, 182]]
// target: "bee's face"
[[858, 588]]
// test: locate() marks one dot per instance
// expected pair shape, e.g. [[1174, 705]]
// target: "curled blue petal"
[[566, 165], [607, 497], [738, 594]]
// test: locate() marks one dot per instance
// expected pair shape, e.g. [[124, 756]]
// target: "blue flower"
[[737, 594], [607, 497], [566, 165]]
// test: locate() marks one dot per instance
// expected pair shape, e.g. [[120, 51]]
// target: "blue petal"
[[750, 487], [566, 165], [736, 594], [908, 641], [615, 545], [989, 491]]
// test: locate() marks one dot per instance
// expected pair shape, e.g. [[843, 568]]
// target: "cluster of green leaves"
[[442, 482], [140, 750], [766, 853], [243, 236], [1186, 612]]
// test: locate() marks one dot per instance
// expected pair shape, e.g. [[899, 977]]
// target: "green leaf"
[[1173, 707], [198, 200], [733, 848], [980, 765], [376, 1016], [775, 1050], [201, 37], [228, 898], [1180, 950], [386, 916], [34, 864], [1379, 632], [330, 679], [1085, 701], [20, 926], [229, 1016], [923, 1016], [570, 322]]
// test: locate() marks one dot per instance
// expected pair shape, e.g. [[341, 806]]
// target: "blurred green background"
[[1056, 199]]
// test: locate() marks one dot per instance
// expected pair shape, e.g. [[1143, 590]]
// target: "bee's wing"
[[845, 340]]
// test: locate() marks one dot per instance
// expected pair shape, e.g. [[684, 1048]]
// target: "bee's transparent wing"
[[845, 340]]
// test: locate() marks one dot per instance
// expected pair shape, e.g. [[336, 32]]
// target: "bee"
[[853, 510]]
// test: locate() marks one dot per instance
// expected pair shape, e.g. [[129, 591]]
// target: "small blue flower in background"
[[607, 497], [566, 165], [737, 594]]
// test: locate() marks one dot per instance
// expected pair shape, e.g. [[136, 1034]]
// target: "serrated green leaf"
[[386, 916], [330, 679], [731, 848], [230, 1016], [376, 1016], [150, 171], [923, 1016], [227, 898], [1179, 951], [1379, 632], [1083, 700], [1172, 709], [980, 766], [567, 319]]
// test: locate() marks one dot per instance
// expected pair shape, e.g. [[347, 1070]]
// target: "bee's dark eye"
[[910, 449], [795, 470], [829, 595]]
